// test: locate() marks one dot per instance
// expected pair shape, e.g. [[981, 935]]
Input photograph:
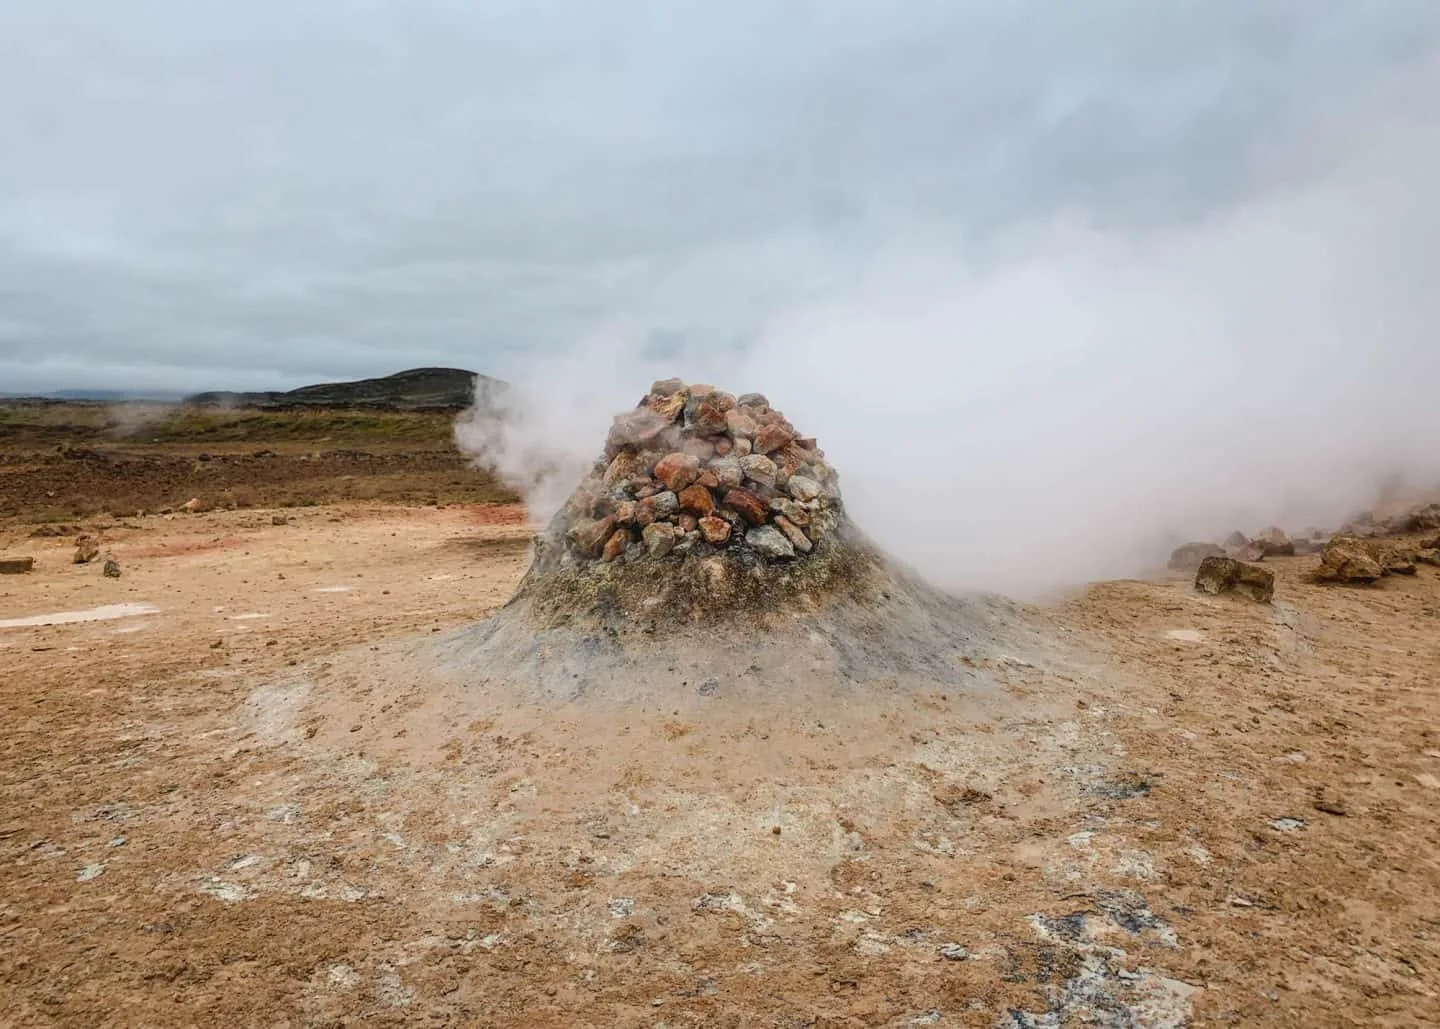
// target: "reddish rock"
[[668, 407], [635, 427], [708, 479], [706, 418], [792, 532], [625, 513], [687, 523], [590, 537], [700, 449], [626, 465], [771, 438], [807, 443], [646, 489], [714, 531], [615, 545], [723, 446], [666, 387], [747, 504], [677, 470], [697, 501]]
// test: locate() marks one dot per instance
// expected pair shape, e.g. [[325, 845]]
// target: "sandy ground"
[[247, 796]]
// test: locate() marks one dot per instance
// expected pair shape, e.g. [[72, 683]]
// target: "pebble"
[[954, 952]]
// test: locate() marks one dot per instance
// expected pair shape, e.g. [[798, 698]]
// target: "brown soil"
[[265, 804]]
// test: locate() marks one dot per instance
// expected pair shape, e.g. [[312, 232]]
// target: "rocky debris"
[[1348, 560], [1236, 540], [694, 472], [46, 531], [1275, 542], [112, 568], [1218, 575], [1187, 557], [953, 952], [87, 548], [16, 565]]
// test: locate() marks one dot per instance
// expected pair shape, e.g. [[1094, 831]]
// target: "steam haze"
[[1055, 285]]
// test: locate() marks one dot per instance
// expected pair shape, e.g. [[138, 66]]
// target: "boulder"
[[1217, 575], [696, 500], [1349, 561], [1275, 542], [769, 542], [1187, 557], [112, 568], [86, 549]]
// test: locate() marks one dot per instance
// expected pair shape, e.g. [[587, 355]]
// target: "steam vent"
[[710, 541]]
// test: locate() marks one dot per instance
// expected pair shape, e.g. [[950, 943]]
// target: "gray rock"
[[666, 504], [769, 542], [797, 513], [1218, 575], [793, 533], [803, 488], [112, 568], [667, 387], [686, 543], [752, 400], [1187, 557], [659, 538], [954, 952], [759, 468], [728, 471]]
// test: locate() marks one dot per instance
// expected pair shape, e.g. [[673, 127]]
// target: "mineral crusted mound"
[[710, 541]]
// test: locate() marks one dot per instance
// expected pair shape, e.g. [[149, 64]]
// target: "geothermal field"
[[306, 723]]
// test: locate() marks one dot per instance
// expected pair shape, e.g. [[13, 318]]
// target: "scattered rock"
[[16, 565], [953, 952], [1218, 575], [769, 542], [279, 519], [86, 549], [1275, 542], [1348, 561], [1187, 557], [112, 568]]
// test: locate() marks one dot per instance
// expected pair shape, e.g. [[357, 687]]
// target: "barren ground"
[[259, 804]]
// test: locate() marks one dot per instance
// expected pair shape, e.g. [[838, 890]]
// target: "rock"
[[714, 531], [792, 510], [686, 543], [112, 568], [1275, 542], [742, 447], [700, 449], [696, 500], [1347, 560], [1236, 540], [16, 565], [1187, 557], [740, 425], [659, 538], [708, 479], [803, 488], [759, 468], [625, 513], [625, 466], [687, 523], [769, 542], [792, 532], [723, 446], [192, 505], [707, 419], [1218, 575], [86, 549], [728, 472], [635, 427], [667, 387], [588, 538], [1306, 547], [771, 438], [669, 407], [677, 470], [953, 952], [615, 545], [656, 508], [753, 400], [1428, 556], [747, 504], [1418, 519], [279, 519]]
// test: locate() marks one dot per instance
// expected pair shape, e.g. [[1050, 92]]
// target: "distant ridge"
[[415, 389]]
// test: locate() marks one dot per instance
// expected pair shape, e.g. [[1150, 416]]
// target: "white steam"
[[1065, 405]]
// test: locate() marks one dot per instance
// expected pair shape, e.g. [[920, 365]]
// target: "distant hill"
[[416, 389], [104, 396]]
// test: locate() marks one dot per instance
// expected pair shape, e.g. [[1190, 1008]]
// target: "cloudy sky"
[[196, 193]]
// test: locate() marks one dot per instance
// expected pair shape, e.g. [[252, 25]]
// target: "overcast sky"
[[197, 193]]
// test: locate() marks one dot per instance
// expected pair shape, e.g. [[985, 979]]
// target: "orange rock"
[[615, 545], [771, 438], [697, 501], [715, 531], [677, 470], [749, 506]]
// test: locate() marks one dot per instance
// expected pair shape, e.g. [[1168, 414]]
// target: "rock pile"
[[693, 472]]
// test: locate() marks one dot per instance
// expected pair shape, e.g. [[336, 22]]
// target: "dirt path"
[[255, 805]]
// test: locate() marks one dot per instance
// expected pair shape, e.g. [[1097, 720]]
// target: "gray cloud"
[[215, 195]]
